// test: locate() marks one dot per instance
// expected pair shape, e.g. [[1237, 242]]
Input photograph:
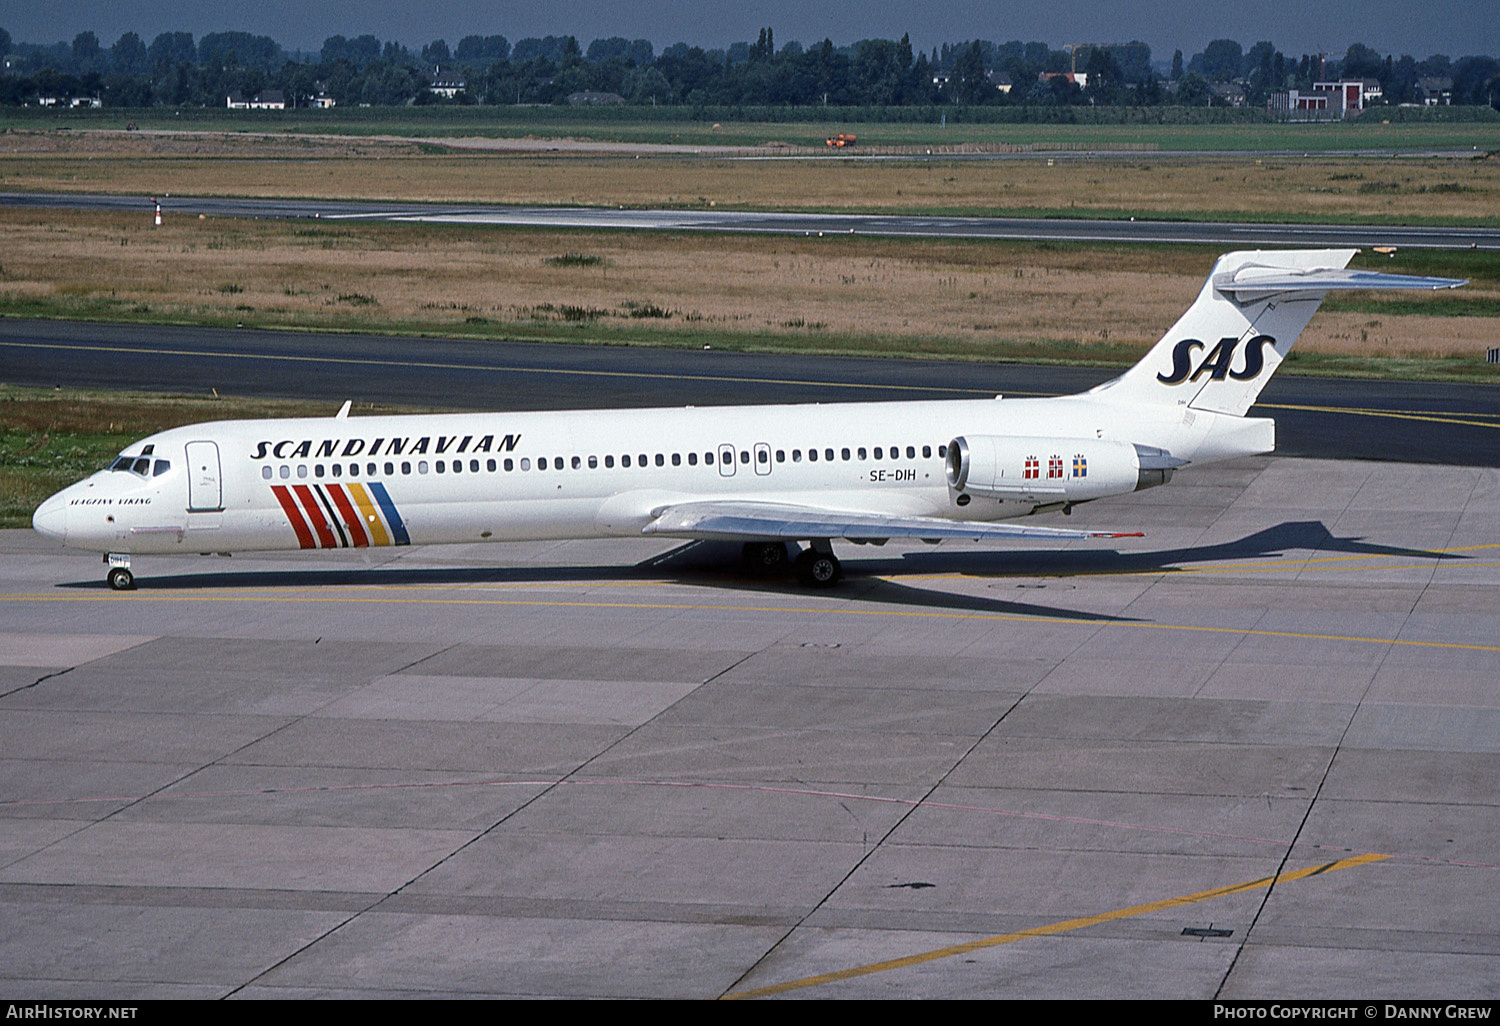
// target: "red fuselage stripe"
[[315, 516], [289, 507], [357, 534]]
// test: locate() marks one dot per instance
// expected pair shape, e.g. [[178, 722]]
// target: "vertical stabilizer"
[[1221, 353]]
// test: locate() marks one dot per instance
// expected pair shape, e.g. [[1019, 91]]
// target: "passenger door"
[[205, 494]]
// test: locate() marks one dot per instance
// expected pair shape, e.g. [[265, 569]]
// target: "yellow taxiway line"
[[1050, 929]]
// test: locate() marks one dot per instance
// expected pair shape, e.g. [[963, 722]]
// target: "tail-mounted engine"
[[1049, 470]]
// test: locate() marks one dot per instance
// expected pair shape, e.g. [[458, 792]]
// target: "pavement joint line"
[[1052, 929], [328, 596]]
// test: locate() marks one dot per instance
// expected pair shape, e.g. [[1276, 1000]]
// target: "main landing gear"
[[816, 567], [119, 577]]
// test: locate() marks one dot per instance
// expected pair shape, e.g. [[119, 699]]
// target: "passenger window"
[[405, 466], [661, 460], [844, 453], [677, 459], [509, 465], [625, 460], [796, 455], [302, 470], [265, 472], [439, 467], [421, 466], [692, 459], [942, 452], [812, 456], [911, 452], [489, 465], [762, 456], [318, 470], [828, 454], [926, 452], [708, 459], [642, 460], [877, 453], [593, 462], [609, 462], [526, 463], [337, 469], [861, 453], [286, 472], [577, 462], [780, 455], [390, 469], [541, 463], [744, 458]]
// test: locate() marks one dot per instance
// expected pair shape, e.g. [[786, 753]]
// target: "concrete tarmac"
[[1250, 755]]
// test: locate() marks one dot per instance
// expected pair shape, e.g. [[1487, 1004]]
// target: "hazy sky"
[[1454, 27]]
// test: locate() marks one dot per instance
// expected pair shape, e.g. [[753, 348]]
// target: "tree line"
[[176, 70]]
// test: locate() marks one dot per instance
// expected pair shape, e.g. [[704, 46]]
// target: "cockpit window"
[[141, 465]]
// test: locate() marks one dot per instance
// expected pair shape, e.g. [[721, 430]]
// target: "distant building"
[[1231, 94], [589, 98], [446, 84], [1078, 78], [1373, 93], [320, 99], [1000, 80], [1435, 92], [1350, 94], [1327, 101], [266, 99]]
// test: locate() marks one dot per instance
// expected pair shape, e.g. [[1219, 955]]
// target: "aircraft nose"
[[51, 519]]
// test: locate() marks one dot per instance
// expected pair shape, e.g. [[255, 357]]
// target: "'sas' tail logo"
[[1217, 363]]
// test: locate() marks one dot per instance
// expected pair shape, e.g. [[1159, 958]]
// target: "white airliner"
[[760, 475]]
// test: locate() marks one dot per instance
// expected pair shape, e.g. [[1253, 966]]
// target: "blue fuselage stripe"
[[398, 528]]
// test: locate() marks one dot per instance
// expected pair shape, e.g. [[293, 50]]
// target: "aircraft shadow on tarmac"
[[718, 564]]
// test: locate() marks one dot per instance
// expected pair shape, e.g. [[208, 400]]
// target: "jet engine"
[[1049, 470]]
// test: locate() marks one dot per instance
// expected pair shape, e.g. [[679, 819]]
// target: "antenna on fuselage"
[[343, 410]]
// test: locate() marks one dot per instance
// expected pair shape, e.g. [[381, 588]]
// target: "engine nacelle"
[[1049, 470]]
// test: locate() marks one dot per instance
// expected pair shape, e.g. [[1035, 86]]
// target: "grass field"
[[963, 299], [1405, 190]]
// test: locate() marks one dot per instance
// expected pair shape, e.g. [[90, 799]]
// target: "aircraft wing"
[[768, 521]]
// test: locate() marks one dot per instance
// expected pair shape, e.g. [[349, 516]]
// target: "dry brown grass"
[[909, 295], [1384, 188]]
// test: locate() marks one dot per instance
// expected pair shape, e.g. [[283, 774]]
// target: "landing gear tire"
[[121, 579], [818, 569], [765, 557]]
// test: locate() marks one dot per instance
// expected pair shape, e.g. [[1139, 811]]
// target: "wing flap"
[[764, 521]]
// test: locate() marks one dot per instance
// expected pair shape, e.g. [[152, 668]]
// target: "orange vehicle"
[[841, 140]]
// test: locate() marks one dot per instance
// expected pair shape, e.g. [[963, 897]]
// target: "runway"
[[1237, 235], [1321, 417], [1250, 755]]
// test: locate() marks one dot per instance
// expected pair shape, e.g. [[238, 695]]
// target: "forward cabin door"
[[205, 492]]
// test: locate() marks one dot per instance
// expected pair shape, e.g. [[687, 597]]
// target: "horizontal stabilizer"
[[1256, 282], [767, 521]]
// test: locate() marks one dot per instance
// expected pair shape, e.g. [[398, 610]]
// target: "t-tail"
[[1220, 354]]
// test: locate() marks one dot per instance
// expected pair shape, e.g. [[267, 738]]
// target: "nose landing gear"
[[119, 577]]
